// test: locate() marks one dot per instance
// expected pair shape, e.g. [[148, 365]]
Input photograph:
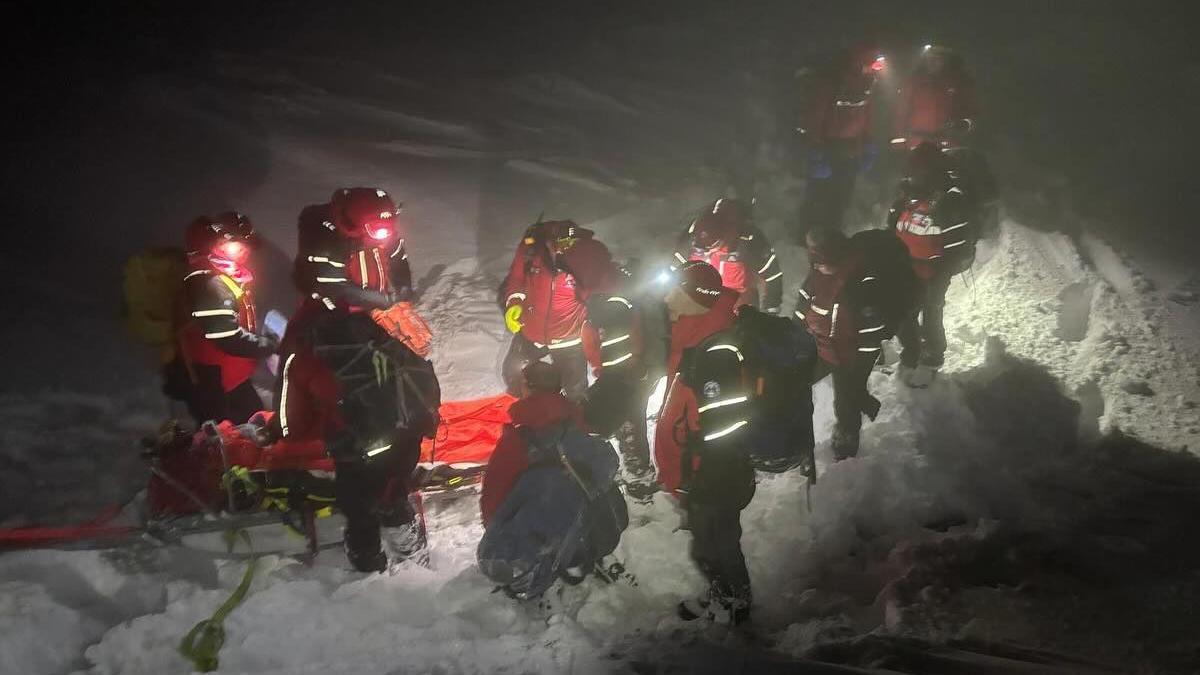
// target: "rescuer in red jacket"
[[935, 219], [836, 126], [937, 97], [713, 487], [219, 338], [558, 266], [858, 292], [542, 406], [725, 238]]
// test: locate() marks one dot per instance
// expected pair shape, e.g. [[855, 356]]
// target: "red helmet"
[[227, 236], [364, 213]]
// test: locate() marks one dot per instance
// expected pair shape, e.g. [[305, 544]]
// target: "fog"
[[126, 122]]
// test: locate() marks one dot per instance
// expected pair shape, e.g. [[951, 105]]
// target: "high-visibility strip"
[[692, 227], [955, 227], [717, 205], [805, 294], [322, 259], [376, 451], [520, 296], [283, 394], [222, 334], [746, 237], [331, 280], [726, 431], [233, 286], [362, 267], [679, 257], [328, 303], [773, 277], [214, 312], [957, 243], [722, 403], [730, 348], [564, 345], [399, 248], [768, 263], [618, 360], [868, 278], [819, 310], [379, 267], [899, 140], [800, 315], [868, 349], [873, 329], [613, 341], [623, 301], [954, 190], [196, 273], [833, 321]]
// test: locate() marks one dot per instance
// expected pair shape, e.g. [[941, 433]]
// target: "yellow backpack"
[[152, 282]]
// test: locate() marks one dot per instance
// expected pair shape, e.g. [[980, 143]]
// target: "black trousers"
[[571, 363], [618, 399], [207, 400], [373, 493], [714, 507], [850, 395], [827, 198], [923, 334]]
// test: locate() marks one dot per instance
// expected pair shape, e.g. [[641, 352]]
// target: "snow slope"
[[974, 513]]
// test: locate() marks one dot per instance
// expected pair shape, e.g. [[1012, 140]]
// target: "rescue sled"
[[206, 485]]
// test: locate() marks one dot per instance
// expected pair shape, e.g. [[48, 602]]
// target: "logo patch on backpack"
[[711, 389]]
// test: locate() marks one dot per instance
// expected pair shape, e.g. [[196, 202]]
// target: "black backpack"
[[386, 387], [886, 258], [753, 390]]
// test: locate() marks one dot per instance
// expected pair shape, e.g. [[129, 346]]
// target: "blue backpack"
[[565, 510]]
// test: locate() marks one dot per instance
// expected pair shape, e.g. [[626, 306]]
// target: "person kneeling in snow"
[[859, 292], [700, 450], [550, 503]]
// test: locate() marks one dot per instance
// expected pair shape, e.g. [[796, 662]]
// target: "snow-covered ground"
[[1000, 506], [1039, 496]]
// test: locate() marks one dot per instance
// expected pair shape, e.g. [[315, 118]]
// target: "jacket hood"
[[540, 411]]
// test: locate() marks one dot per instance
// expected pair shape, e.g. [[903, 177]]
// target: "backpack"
[[886, 257], [565, 510], [152, 282], [385, 386], [753, 391]]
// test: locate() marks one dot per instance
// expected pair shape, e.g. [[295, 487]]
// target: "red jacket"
[[679, 415], [839, 106], [219, 323], [928, 102], [511, 456], [554, 299], [829, 311]]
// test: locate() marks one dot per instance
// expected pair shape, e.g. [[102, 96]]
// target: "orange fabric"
[[679, 417], [402, 322], [469, 431]]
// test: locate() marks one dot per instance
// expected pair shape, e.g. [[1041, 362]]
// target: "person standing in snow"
[[557, 268], [939, 97], [858, 292], [616, 401], [354, 374], [711, 475], [725, 238], [836, 126], [934, 218], [219, 339]]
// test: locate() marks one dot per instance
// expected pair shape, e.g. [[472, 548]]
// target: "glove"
[[403, 323], [512, 319]]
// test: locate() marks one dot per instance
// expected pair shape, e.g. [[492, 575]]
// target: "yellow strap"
[[234, 287]]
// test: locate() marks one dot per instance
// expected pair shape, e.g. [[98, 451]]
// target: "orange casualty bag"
[[402, 322], [468, 432]]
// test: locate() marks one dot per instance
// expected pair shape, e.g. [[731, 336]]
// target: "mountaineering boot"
[[844, 443], [365, 560], [406, 542], [696, 608]]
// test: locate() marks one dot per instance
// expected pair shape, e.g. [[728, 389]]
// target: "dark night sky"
[[1106, 94]]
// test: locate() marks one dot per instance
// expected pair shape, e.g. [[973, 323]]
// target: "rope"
[[203, 642]]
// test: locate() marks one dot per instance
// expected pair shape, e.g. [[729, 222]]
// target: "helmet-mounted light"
[[233, 250]]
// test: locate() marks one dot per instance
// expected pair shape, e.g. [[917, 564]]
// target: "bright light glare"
[[381, 233], [926, 48], [664, 277]]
